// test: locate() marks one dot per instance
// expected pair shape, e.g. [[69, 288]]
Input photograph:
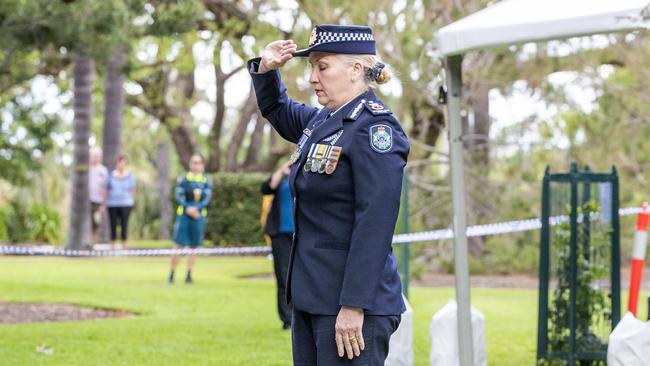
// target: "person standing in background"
[[193, 193], [97, 182], [279, 226], [120, 199]]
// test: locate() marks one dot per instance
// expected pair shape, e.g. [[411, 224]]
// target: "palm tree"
[[113, 107], [80, 203]]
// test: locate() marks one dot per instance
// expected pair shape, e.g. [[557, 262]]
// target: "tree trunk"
[[113, 121], [162, 164], [214, 161], [277, 151], [249, 110], [79, 234], [113, 108], [255, 146], [183, 140]]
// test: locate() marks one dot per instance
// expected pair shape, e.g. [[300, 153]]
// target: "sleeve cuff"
[[356, 304]]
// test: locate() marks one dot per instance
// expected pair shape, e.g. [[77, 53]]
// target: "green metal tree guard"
[[579, 272]]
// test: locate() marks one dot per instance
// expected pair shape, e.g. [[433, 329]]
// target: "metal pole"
[[573, 265], [453, 70], [405, 251], [544, 268]]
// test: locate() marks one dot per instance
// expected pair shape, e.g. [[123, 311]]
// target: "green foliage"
[[24, 138], [17, 218], [233, 213], [4, 237], [174, 17], [591, 302], [144, 222], [25, 221], [507, 254], [44, 224]]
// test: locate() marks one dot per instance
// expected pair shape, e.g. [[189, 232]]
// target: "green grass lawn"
[[223, 319]]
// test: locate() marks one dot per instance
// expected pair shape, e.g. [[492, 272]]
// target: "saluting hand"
[[276, 54], [349, 338]]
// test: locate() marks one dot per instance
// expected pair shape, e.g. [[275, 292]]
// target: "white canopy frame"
[[507, 23]]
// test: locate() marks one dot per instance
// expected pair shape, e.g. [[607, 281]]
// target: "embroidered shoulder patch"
[[377, 108], [381, 138]]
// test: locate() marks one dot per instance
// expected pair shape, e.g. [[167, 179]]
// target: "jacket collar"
[[348, 113]]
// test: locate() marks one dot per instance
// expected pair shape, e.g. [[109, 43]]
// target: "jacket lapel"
[[328, 127]]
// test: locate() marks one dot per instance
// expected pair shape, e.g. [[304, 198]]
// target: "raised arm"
[[288, 117]]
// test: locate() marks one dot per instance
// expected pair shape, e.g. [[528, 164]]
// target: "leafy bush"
[[44, 224], [16, 219], [234, 211], [3, 228], [38, 222], [144, 222]]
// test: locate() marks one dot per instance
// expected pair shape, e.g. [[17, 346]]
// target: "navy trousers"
[[281, 249], [314, 344]]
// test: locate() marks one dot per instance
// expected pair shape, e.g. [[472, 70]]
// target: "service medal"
[[296, 155], [310, 155], [318, 156], [322, 166], [306, 133], [323, 162], [330, 167], [315, 165], [333, 159]]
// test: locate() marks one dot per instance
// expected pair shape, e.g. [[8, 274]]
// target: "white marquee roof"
[[511, 22]]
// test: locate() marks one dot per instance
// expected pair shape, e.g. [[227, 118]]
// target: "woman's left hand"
[[349, 338]]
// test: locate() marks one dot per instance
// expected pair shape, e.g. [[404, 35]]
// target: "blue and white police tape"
[[50, 251], [497, 228], [423, 236]]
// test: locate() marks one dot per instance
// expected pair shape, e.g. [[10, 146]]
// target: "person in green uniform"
[[193, 193]]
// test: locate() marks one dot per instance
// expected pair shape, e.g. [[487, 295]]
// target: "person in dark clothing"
[[279, 226], [346, 178]]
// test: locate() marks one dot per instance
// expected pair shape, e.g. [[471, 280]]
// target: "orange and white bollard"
[[638, 258]]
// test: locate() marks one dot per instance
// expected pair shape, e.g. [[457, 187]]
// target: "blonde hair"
[[374, 70]]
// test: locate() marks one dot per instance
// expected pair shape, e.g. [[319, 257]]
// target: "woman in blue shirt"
[[279, 226], [193, 193], [120, 199]]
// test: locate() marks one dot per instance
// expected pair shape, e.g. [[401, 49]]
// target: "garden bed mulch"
[[42, 312]]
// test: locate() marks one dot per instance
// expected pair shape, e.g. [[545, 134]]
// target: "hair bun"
[[376, 71], [384, 75]]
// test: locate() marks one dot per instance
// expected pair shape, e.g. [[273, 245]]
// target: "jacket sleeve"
[[288, 117], [377, 188], [266, 187], [206, 196]]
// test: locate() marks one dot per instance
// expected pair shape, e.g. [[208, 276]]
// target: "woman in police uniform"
[[346, 180], [193, 192]]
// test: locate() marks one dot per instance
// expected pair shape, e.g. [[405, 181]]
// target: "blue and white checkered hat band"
[[329, 37], [344, 39]]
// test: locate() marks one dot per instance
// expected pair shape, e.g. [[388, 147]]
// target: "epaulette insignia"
[[356, 111], [376, 108]]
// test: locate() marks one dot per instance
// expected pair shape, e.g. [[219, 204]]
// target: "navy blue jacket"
[[342, 254]]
